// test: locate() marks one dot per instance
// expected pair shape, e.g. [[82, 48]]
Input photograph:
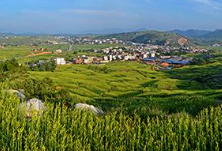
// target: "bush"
[[198, 61]]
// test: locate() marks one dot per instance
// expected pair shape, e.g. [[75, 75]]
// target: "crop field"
[[111, 80], [135, 86], [14, 52], [131, 85], [21, 53], [62, 128], [144, 109]]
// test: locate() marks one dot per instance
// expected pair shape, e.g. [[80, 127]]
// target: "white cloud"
[[212, 3]]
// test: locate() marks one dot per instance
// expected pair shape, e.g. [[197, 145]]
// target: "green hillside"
[[25, 40], [215, 35], [145, 109], [135, 86], [147, 37], [192, 33]]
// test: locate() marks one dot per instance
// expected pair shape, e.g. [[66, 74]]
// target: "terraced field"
[[112, 80], [130, 84], [14, 52]]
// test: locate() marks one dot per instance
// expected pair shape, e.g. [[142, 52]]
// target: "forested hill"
[[201, 34], [192, 33], [147, 37], [215, 35]]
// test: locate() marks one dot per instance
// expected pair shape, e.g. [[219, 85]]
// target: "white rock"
[[84, 106], [32, 107]]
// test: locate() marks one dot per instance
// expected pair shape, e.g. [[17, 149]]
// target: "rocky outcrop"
[[183, 41], [83, 106], [32, 107]]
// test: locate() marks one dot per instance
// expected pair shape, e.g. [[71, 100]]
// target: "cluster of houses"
[[198, 50], [157, 55], [217, 45], [147, 56], [167, 62], [163, 62], [92, 41], [60, 61]]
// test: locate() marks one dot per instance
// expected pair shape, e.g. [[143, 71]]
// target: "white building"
[[105, 58], [59, 51], [153, 54], [88, 60], [110, 57], [126, 58], [60, 61], [145, 56]]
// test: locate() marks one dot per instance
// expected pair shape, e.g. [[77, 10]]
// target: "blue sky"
[[82, 16]]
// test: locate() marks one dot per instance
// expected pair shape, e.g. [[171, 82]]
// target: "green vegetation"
[[215, 35], [16, 77], [14, 52], [10, 70], [53, 48], [145, 109], [44, 89], [25, 40], [45, 65], [62, 128], [131, 86], [23, 53], [147, 37]]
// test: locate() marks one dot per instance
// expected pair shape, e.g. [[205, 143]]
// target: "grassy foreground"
[[61, 128]]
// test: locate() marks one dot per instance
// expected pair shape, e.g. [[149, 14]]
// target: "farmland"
[[21, 53], [145, 109], [67, 129], [129, 86], [135, 86]]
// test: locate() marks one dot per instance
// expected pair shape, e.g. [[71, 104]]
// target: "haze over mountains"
[[143, 35], [147, 37], [191, 33], [201, 34]]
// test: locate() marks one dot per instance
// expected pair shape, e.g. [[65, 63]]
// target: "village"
[[161, 57], [147, 54]]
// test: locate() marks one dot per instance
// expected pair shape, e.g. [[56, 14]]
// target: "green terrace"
[[135, 85]]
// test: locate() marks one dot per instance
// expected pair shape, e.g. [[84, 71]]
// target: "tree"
[[198, 61]]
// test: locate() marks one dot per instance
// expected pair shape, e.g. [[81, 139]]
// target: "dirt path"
[[39, 54]]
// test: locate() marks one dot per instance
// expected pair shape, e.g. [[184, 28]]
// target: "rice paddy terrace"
[[135, 85]]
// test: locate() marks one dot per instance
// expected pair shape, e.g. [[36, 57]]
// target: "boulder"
[[83, 106], [32, 107]]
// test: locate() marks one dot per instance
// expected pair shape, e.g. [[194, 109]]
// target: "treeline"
[[42, 65], [11, 70], [16, 77], [9, 65]]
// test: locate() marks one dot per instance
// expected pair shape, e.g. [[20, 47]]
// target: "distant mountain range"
[[201, 34], [197, 37], [191, 32]]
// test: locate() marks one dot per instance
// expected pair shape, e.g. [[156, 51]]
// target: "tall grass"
[[61, 128]]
